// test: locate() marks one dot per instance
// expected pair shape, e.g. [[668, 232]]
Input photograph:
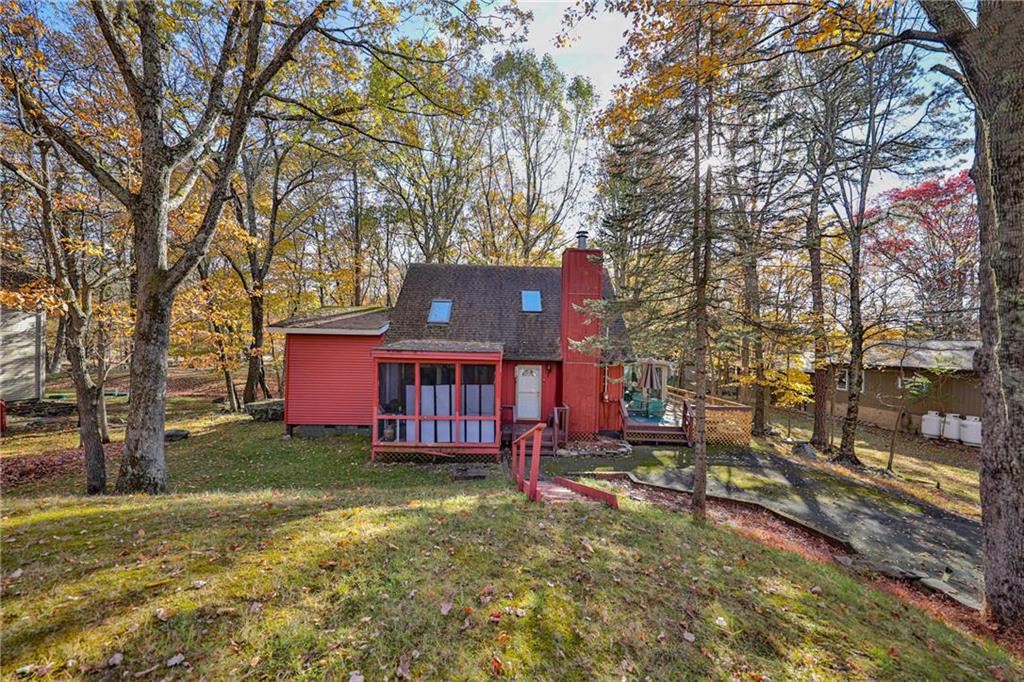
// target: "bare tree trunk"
[[892, 438], [88, 397], [357, 241], [821, 378], [57, 355], [846, 453], [230, 392], [255, 376], [698, 502]]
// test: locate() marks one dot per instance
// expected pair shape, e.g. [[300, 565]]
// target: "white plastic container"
[[931, 424], [970, 431], [951, 427]]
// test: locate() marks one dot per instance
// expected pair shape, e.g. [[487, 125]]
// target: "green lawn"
[[297, 559]]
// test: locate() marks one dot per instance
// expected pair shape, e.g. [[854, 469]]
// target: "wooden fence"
[[728, 422]]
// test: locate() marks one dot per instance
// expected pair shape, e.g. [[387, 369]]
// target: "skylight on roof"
[[440, 311], [531, 301]]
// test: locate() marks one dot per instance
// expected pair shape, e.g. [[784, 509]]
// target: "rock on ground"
[[266, 410]]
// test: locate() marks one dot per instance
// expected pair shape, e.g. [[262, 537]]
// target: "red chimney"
[[581, 282]]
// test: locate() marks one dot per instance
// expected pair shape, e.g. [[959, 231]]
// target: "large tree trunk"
[[1002, 279], [57, 355], [846, 453], [991, 56], [698, 502], [142, 466]]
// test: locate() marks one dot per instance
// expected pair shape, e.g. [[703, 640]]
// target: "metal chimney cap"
[[581, 239]]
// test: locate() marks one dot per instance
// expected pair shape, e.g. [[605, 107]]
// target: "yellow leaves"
[[36, 295]]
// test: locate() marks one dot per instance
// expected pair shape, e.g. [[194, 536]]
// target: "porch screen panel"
[[437, 399], [478, 400], [396, 395]]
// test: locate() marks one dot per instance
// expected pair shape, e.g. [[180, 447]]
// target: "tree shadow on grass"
[[317, 585]]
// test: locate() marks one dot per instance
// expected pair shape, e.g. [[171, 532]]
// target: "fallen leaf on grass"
[[163, 615], [720, 622], [496, 665], [446, 607], [495, 616], [115, 660], [403, 672], [198, 584], [466, 624], [689, 636], [356, 676], [15, 574], [176, 659]]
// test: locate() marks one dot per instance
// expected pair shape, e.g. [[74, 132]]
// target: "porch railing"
[[560, 424], [519, 445], [728, 422]]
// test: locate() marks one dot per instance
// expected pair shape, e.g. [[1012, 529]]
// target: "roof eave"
[[329, 332]]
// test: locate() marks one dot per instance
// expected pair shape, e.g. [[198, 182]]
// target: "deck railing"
[[527, 485], [560, 422], [728, 422]]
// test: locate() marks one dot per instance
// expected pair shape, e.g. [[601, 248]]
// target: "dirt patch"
[[769, 530], [45, 466]]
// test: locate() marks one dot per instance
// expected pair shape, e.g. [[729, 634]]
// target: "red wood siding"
[[610, 416], [581, 281], [329, 379], [550, 385]]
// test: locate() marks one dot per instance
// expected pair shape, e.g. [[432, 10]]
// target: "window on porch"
[[477, 400], [396, 395]]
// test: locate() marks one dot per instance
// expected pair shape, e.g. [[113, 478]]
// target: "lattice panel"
[[728, 426], [429, 458], [581, 436]]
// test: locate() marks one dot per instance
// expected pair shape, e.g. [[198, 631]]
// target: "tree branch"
[[201, 133], [131, 81], [80, 154]]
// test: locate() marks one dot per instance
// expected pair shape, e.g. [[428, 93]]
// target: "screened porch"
[[437, 403]]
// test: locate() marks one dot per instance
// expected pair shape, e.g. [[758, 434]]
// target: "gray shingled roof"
[[924, 354], [443, 346], [486, 308], [327, 320]]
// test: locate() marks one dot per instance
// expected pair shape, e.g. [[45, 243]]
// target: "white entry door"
[[528, 392]]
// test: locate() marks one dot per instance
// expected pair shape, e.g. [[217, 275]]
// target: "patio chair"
[[655, 407], [637, 406]]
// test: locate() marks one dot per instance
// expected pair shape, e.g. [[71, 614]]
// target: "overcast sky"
[[591, 53]]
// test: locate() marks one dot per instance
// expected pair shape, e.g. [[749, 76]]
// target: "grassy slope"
[[920, 463], [317, 564]]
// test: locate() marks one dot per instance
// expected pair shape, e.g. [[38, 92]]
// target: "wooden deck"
[[670, 428]]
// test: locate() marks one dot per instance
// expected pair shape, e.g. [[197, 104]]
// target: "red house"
[[469, 356]]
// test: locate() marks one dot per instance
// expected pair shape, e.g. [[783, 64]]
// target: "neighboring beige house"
[[22, 345], [949, 365]]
